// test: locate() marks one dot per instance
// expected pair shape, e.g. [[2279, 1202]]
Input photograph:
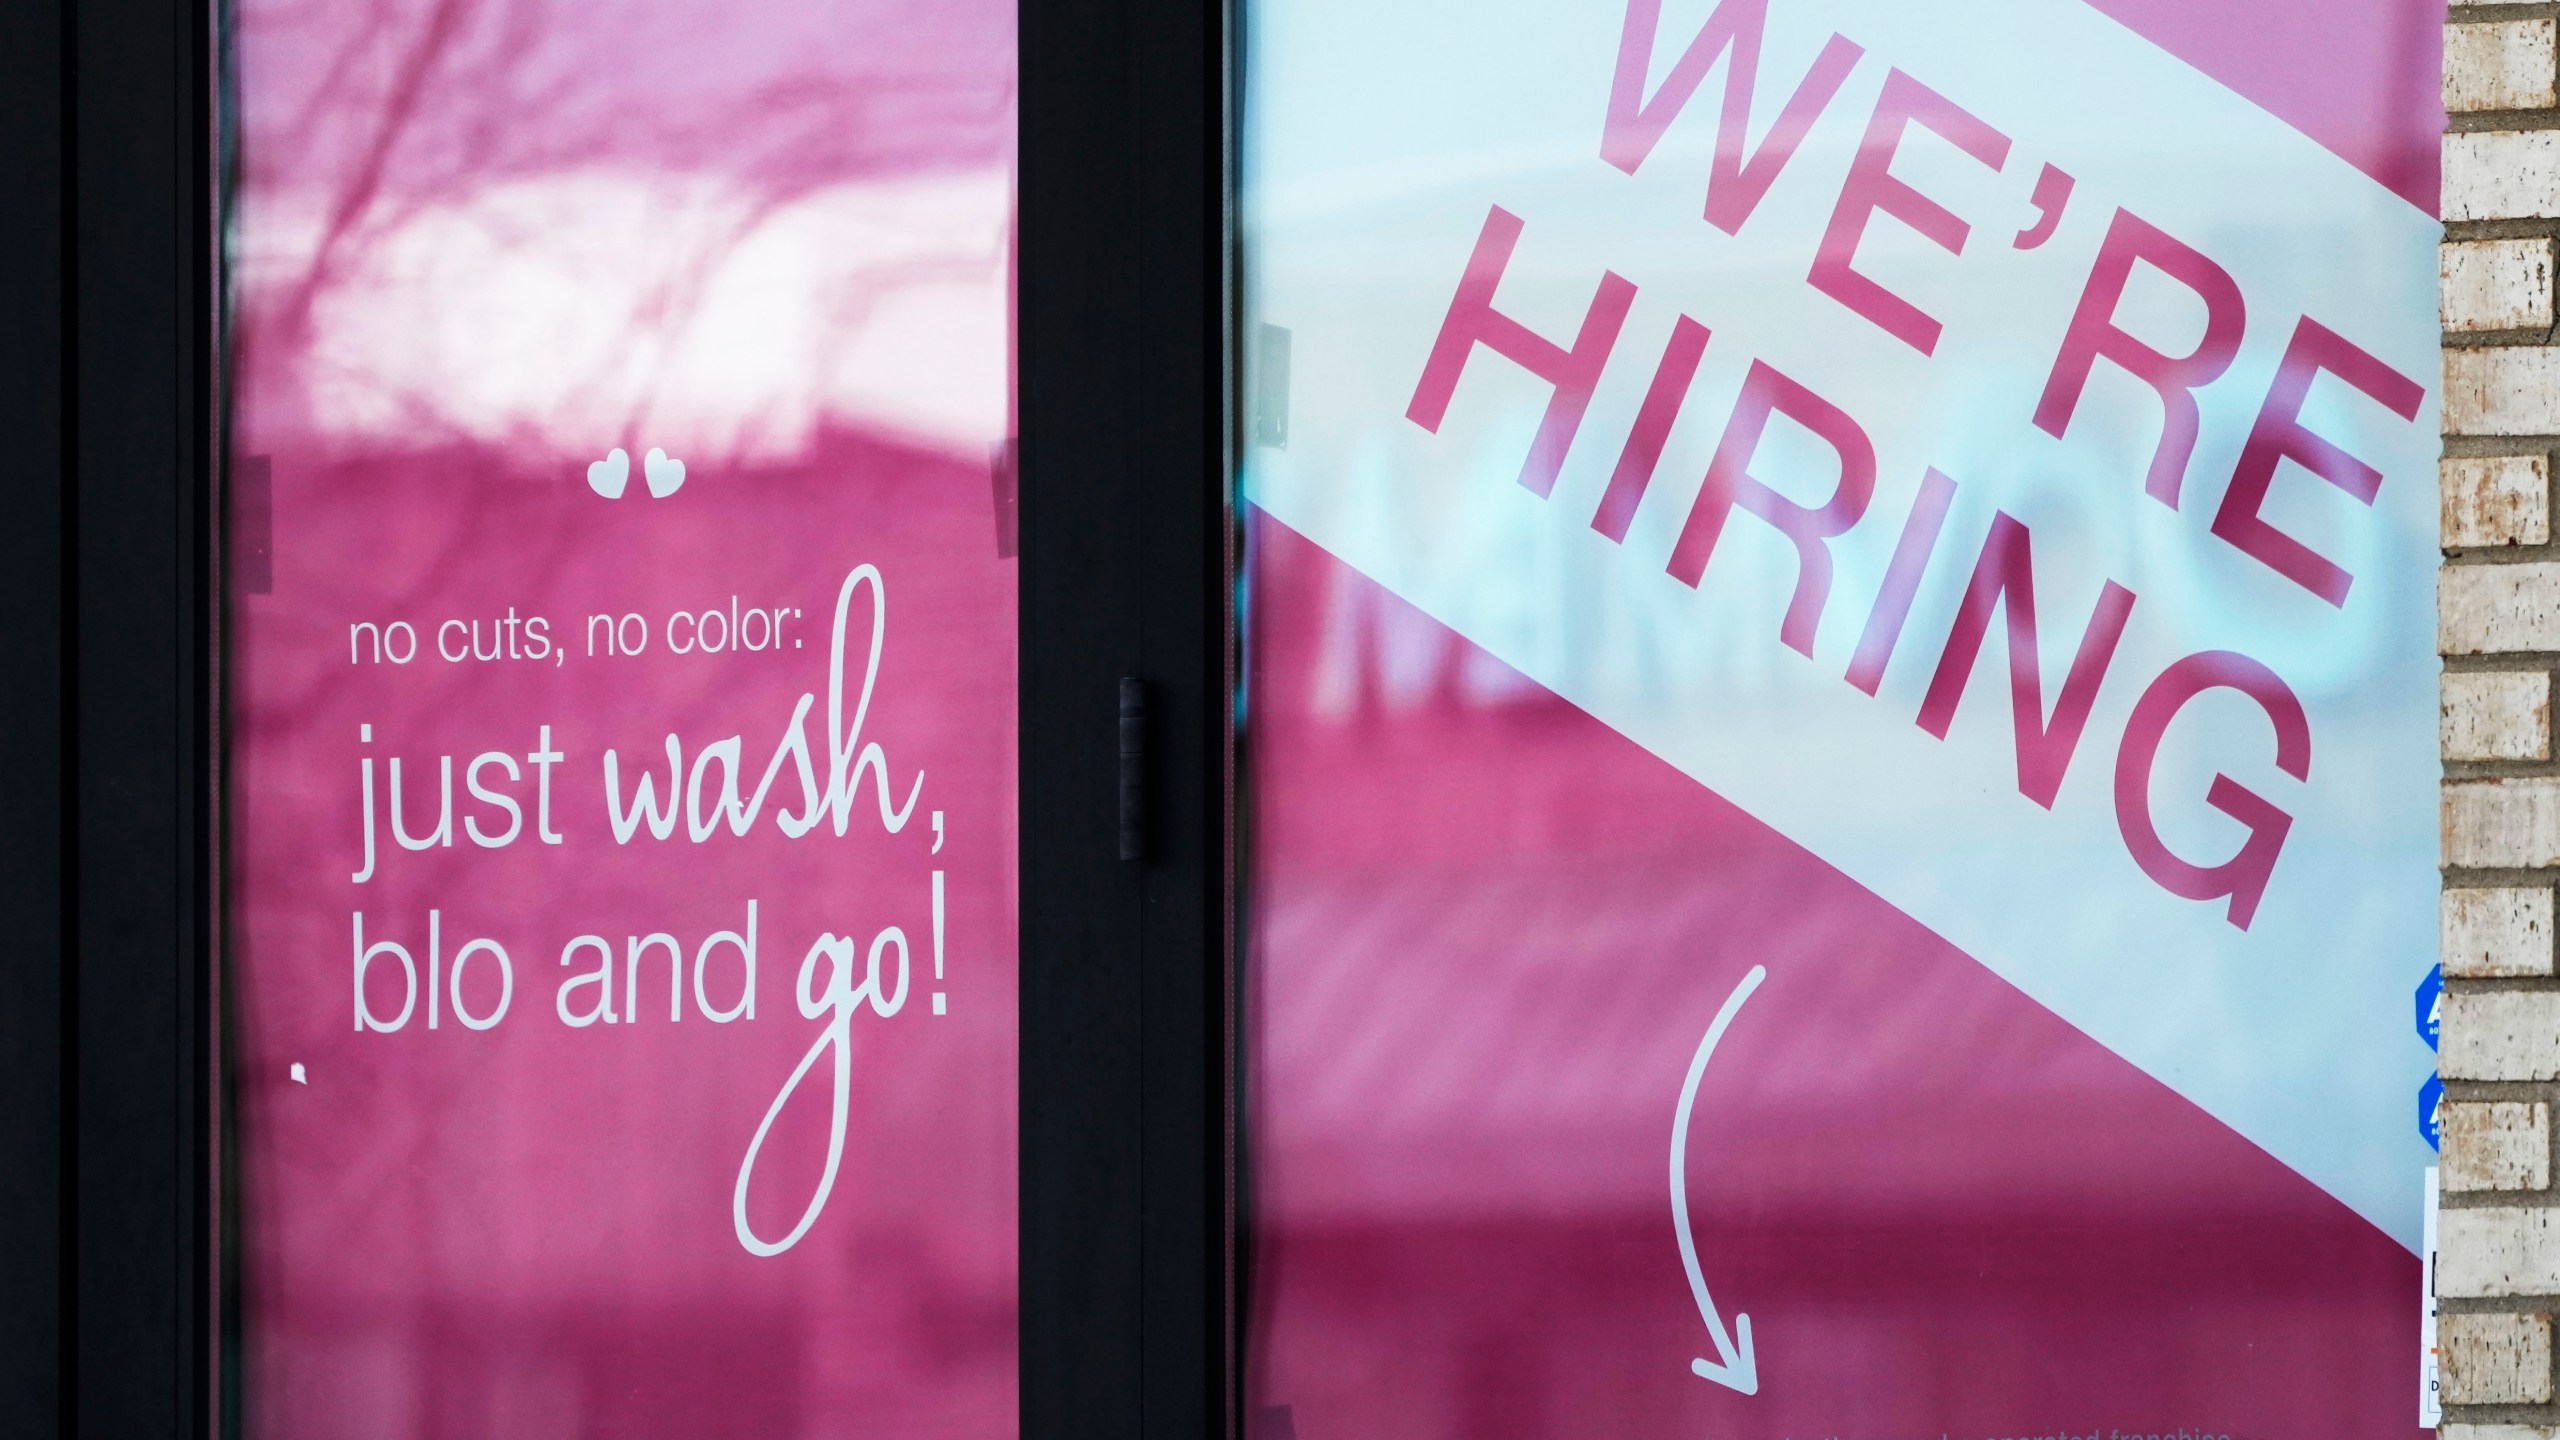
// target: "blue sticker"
[[2430, 1109], [2430, 1005]]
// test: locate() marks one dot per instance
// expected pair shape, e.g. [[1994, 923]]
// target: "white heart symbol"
[[607, 476], [666, 473]]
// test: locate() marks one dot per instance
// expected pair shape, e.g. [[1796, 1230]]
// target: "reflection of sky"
[[525, 311], [1371, 168], [473, 245], [499, 220]]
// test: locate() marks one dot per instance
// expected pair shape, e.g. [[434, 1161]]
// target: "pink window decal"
[[618, 720]]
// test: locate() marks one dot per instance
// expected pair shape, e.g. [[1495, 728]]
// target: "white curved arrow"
[[1738, 1368]]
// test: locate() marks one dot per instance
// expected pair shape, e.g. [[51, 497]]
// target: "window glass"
[[618, 719], [1841, 716]]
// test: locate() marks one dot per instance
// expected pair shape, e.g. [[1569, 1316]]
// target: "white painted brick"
[[2496, 932], [2489, 1253], [2496, 500], [2494, 715], [2502, 824], [2454, 1431], [2502, 390], [2502, 175], [2501, 1145], [2494, 284], [2502, 1035], [2501, 65], [2494, 1359], [2497, 609]]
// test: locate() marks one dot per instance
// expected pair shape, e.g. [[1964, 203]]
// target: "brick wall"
[[2498, 626]]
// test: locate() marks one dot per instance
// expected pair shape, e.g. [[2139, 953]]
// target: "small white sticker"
[[2428, 1411]]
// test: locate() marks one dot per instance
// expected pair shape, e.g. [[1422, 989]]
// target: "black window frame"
[[110, 1301]]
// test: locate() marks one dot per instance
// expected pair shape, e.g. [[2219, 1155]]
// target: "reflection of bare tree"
[[381, 125], [357, 120]]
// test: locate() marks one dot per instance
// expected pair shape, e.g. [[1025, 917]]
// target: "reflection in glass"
[[619, 648]]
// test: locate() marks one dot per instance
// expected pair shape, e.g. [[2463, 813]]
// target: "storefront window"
[[618, 716], [1841, 714]]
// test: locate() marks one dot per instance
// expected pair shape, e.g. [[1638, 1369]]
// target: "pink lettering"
[[1901, 581], [1731, 484], [2007, 568], [2175, 378], [1872, 189], [1653, 426], [2053, 191], [1473, 321], [2280, 435], [2244, 876], [1737, 178]]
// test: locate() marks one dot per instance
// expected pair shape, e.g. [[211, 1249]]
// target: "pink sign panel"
[[618, 728], [1841, 717]]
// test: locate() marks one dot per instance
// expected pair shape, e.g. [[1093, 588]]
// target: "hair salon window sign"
[[618, 665]]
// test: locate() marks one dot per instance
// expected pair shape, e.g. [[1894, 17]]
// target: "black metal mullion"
[[1123, 526], [139, 300], [34, 1291]]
